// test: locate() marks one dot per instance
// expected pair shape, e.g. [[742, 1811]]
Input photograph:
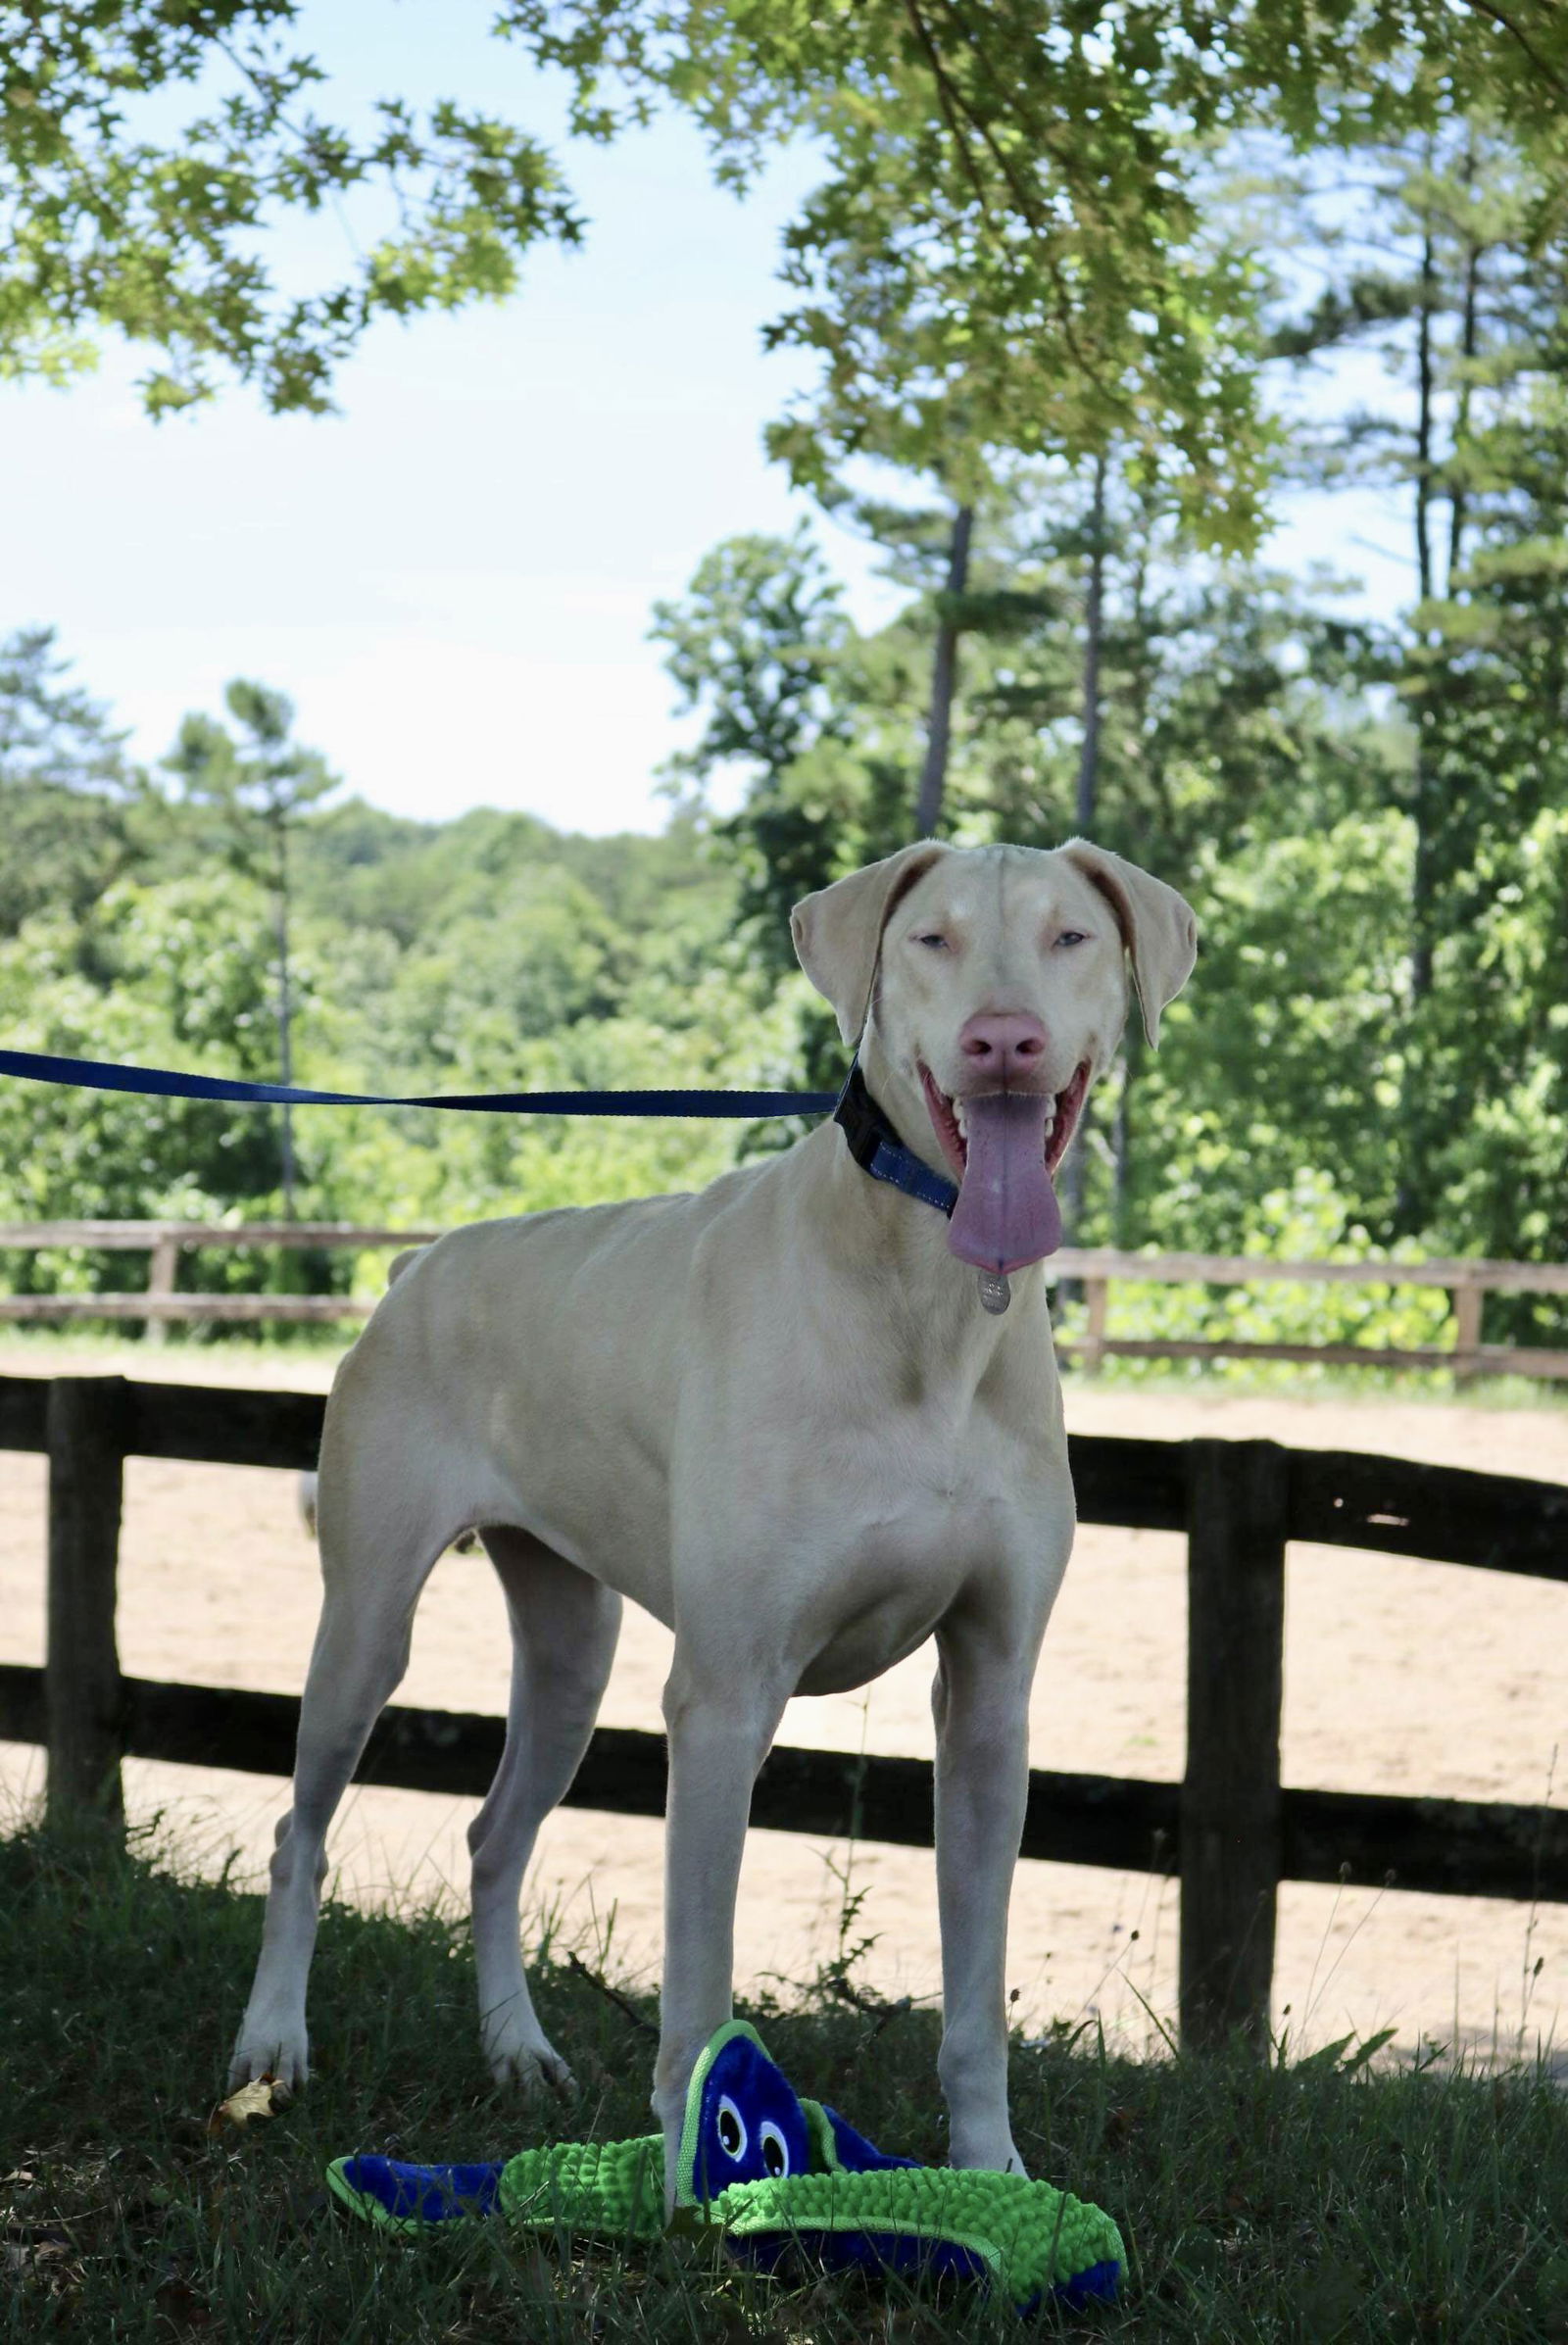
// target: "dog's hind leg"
[[564, 1631], [374, 1567]]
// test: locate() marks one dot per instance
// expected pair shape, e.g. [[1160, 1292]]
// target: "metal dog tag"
[[995, 1292]]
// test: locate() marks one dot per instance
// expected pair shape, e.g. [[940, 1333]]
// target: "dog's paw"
[[281, 2052], [989, 2152], [530, 2064]]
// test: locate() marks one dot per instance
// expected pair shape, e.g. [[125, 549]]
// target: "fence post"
[[85, 1422], [1236, 1512], [1467, 1304], [161, 1272], [1097, 1296]]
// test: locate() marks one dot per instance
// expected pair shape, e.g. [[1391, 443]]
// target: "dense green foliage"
[[1244, 753], [1289, 2200], [1008, 249], [1248, 753], [482, 955], [110, 221], [1040, 340], [1372, 821], [1014, 248], [70, 790]]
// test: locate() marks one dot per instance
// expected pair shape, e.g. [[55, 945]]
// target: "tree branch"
[[1516, 32], [953, 103], [1037, 129], [947, 99]]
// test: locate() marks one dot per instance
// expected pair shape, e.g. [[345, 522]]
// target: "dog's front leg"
[[721, 1720], [981, 1704]]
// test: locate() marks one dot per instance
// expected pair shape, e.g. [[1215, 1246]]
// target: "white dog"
[[307, 1485], [793, 1416]]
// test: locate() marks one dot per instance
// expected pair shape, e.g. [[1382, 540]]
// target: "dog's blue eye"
[[1073, 936], [939, 942]]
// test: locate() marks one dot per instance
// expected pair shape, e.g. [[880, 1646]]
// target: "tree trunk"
[[1093, 631], [1075, 1171], [1408, 1210], [1469, 342], [943, 680], [285, 1017], [1420, 924], [1424, 417], [1121, 1141]]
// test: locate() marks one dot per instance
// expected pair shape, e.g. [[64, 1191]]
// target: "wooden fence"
[[1229, 1829], [1466, 1281], [164, 1241]]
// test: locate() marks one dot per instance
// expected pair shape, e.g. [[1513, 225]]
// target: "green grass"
[[1303, 2202]]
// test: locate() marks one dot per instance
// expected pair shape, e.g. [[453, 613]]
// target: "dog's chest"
[[879, 1574]]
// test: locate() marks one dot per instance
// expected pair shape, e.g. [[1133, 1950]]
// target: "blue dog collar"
[[877, 1148]]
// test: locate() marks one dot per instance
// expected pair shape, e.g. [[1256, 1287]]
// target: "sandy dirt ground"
[[1400, 1677]]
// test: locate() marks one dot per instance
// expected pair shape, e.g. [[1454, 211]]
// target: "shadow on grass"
[[1300, 2202]]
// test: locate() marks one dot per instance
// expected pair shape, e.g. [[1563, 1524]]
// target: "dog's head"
[[987, 988]]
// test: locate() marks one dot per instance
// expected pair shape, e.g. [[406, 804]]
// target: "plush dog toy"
[[778, 2176]]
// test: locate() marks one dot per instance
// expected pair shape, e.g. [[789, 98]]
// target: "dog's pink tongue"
[[1007, 1214]]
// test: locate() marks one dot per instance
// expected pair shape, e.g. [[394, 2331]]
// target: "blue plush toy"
[[778, 2176]]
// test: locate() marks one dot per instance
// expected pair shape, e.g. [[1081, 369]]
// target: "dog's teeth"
[[961, 1117]]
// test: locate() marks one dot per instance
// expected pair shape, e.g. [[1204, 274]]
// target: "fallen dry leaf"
[[263, 2098], [26, 2255]]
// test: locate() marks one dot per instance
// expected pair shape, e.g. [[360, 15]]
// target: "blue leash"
[[93, 1074], [873, 1142]]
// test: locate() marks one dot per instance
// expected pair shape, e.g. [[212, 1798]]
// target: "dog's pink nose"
[[1005, 1043]]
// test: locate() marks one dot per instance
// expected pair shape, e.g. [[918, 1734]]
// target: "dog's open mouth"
[[950, 1119], [1003, 1148]]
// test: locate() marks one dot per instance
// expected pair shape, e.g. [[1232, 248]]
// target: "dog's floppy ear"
[[1157, 926], [838, 931]]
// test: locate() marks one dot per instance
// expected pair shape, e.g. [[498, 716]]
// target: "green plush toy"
[[777, 2176]]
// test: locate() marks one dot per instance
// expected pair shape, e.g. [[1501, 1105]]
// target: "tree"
[[160, 238], [956, 354], [757, 644], [69, 798], [943, 676], [753, 644], [1008, 250], [1456, 271], [1229, 712], [1208, 705], [1015, 249], [256, 789], [178, 976], [965, 590], [1009, 190]]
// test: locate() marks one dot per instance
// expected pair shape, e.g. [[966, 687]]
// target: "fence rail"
[[1466, 1280], [1230, 1829], [164, 1241]]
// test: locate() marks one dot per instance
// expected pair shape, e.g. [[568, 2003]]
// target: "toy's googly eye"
[[731, 2130], [774, 2148]]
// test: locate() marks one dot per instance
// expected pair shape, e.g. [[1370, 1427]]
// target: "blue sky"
[[452, 576]]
